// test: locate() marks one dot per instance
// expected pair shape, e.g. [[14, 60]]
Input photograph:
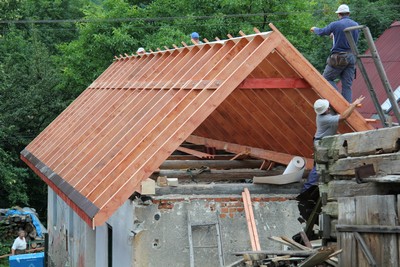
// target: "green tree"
[[114, 27]]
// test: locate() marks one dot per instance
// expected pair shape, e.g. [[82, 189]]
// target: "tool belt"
[[338, 59]]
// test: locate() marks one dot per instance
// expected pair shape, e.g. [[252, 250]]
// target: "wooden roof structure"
[[251, 95]]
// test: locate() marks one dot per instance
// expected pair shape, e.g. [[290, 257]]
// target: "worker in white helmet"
[[327, 124]]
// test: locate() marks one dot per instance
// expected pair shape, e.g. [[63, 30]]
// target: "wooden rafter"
[[240, 149], [306, 70], [196, 153]]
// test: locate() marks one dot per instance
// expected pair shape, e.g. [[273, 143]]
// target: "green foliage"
[[30, 100], [86, 57]]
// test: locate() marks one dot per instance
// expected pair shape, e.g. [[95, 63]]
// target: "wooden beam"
[[196, 153], [191, 157], [385, 164], [252, 220], [376, 229], [278, 157], [249, 218], [365, 250], [226, 175], [213, 164], [274, 83], [322, 255], [320, 85], [300, 253]]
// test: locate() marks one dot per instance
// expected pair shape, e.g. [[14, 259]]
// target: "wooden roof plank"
[[177, 66], [237, 70], [73, 128], [279, 124], [115, 157], [256, 120], [108, 137], [294, 118], [67, 127], [98, 82], [116, 74], [273, 83], [92, 157], [130, 159], [133, 71], [138, 79], [96, 111], [41, 139], [85, 134], [319, 83]]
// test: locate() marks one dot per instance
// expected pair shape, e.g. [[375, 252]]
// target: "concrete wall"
[[122, 239], [71, 240], [164, 240], [73, 243], [155, 233]]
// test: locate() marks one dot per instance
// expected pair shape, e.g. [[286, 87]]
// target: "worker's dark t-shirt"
[[336, 28]]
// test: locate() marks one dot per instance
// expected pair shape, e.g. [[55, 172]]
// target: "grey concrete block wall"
[[164, 240]]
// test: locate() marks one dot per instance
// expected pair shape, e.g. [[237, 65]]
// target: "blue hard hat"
[[195, 35]]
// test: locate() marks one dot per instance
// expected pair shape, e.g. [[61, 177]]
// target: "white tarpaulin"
[[293, 173]]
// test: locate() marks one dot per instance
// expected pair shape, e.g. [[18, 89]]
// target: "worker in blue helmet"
[[195, 38]]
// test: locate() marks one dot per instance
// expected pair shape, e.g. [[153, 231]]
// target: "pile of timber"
[[359, 176], [295, 255], [10, 224]]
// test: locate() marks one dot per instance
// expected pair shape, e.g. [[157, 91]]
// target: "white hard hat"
[[140, 50], [343, 9], [321, 105]]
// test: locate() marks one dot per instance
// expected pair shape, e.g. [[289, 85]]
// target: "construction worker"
[[140, 51], [327, 124], [195, 38], [341, 61]]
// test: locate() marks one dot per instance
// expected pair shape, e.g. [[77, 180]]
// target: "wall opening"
[[109, 245]]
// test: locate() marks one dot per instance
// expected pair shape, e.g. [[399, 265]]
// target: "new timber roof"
[[252, 95]]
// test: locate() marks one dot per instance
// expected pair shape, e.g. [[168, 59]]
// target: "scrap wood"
[[280, 240], [255, 243], [280, 258], [322, 255], [294, 243], [279, 252], [305, 239], [236, 263]]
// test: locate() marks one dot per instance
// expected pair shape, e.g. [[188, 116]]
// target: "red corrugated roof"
[[388, 47], [248, 95]]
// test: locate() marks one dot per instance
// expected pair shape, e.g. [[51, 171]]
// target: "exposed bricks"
[[227, 207]]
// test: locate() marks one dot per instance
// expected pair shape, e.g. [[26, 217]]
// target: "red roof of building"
[[388, 47]]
